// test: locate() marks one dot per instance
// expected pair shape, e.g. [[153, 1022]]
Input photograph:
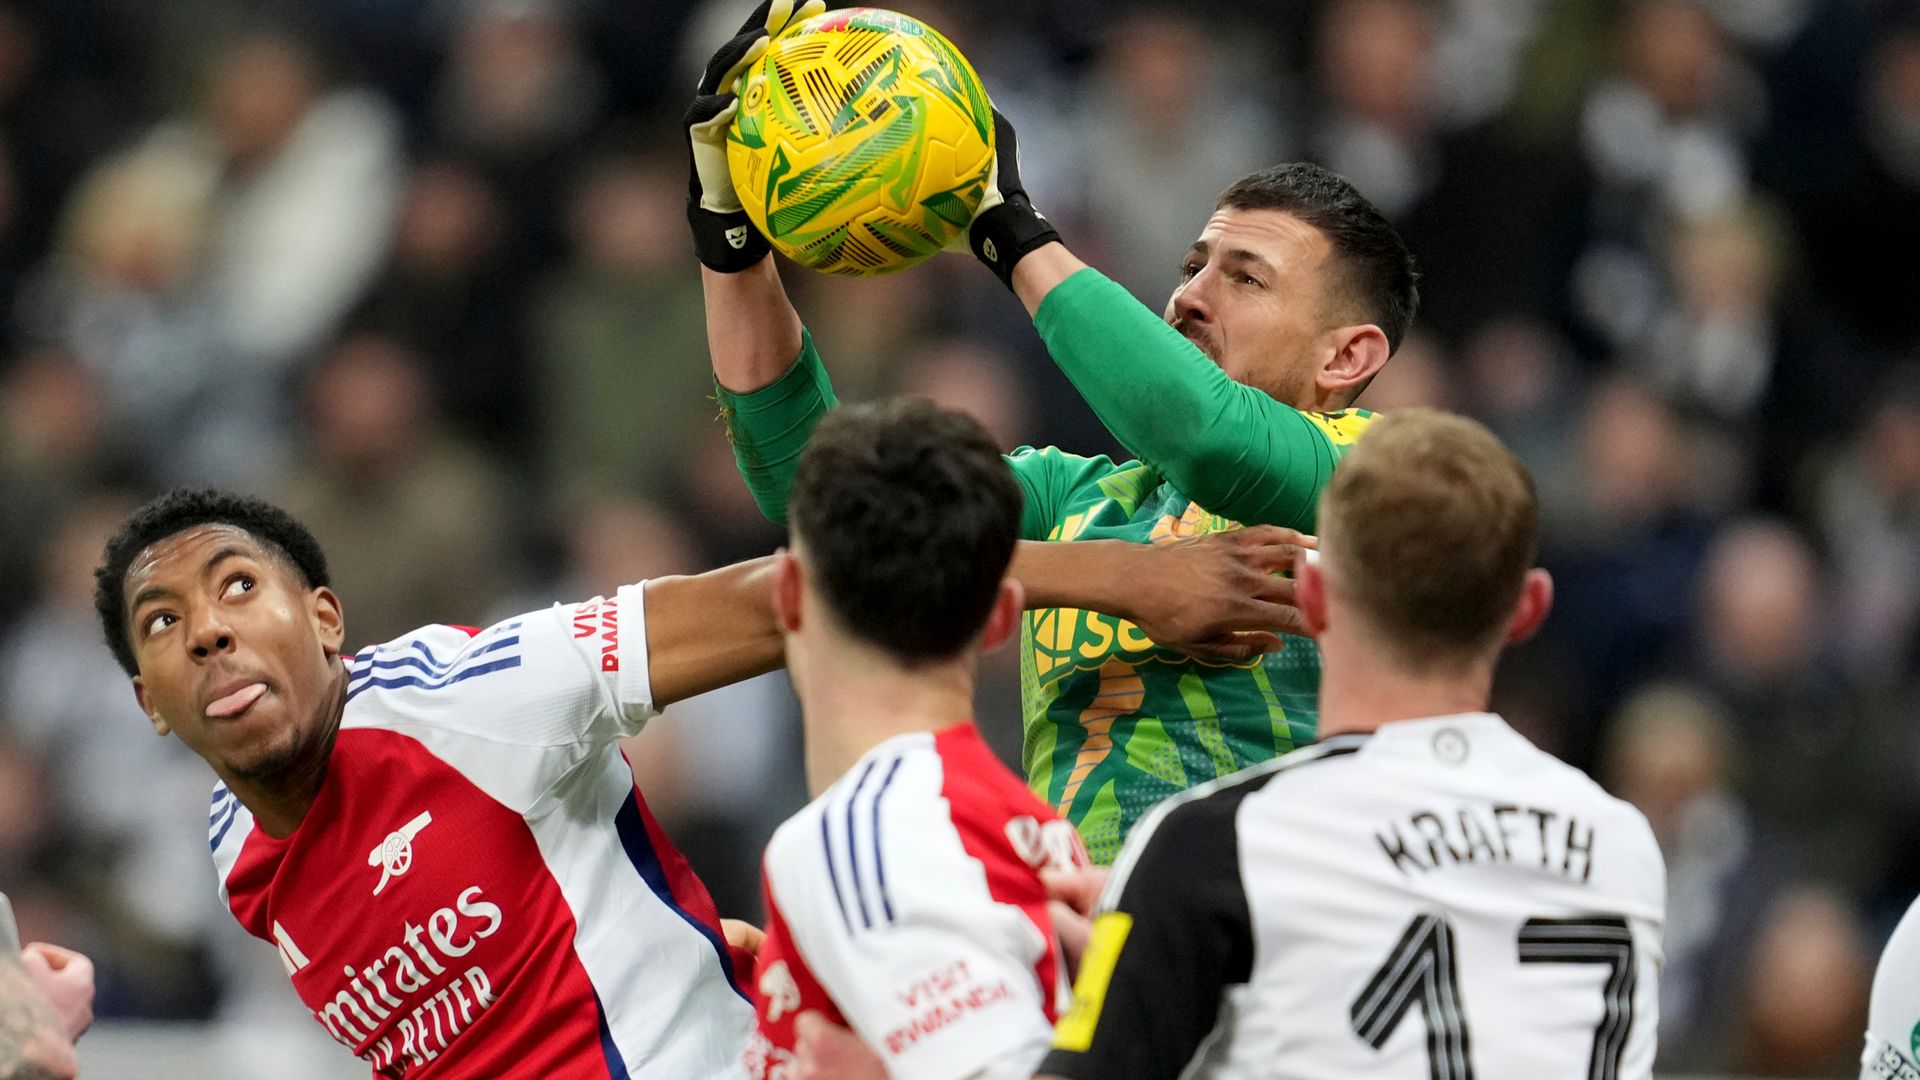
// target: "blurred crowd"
[[417, 270]]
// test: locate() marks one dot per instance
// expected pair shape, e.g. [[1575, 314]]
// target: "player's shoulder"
[[1481, 754], [896, 780], [228, 824], [1549, 773], [1324, 762], [440, 659], [1027, 458], [1342, 427], [1194, 820], [851, 860], [971, 773]]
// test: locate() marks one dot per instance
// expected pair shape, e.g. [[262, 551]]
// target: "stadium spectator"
[[1623, 543], [123, 292], [56, 446], [450, 294], [1173, 117], [1759, 647], [518, 94], [1671, 753], [396, 494], [1868, 513], [309, 177], [1806, 984], [616, 417]]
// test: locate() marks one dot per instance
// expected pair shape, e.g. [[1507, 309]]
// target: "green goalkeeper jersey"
[[1115, 723]]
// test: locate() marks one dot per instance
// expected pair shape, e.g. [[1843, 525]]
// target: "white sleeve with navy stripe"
[[528, 698], [896, 919]]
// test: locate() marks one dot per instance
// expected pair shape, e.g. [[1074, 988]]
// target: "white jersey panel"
[[1893, 1019], [1448, 891], [1438, 900], [519, 704], [633, 935]]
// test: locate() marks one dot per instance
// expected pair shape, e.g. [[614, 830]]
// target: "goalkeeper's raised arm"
[[1289, 302]]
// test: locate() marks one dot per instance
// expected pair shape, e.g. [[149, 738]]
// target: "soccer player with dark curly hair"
[[439, 833]]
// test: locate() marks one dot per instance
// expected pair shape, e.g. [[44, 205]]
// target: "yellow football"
[[863, 142]]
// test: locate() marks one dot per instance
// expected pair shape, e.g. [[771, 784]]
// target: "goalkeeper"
[[1237, 402]]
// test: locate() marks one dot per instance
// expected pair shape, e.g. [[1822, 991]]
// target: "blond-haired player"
[[1423, 894]]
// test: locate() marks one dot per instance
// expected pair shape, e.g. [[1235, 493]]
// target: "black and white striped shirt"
[[1438, 900]]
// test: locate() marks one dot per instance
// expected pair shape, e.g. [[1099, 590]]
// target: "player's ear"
[[1310, 594], [788, 576], [1004, 618], [1359, 352], [160, 727], [329, 620], [1536, 599]]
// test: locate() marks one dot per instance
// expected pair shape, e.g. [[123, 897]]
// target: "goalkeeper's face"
[[1254, 296], [236, 654]]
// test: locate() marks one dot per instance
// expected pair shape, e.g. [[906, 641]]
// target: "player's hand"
[[823, 1050], [1071, 896], [1216, 597], [723, 236], [65, 977], [1006, 226], [743, 936]]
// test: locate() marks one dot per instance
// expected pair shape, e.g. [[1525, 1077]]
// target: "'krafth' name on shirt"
[[1502, 833]]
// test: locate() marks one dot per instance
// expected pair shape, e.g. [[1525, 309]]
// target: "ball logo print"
[[394, 855], [863, 143]]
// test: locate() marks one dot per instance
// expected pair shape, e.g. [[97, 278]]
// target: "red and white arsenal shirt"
[[906, 903], [479, 890]]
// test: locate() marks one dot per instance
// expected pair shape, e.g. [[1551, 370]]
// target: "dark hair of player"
[[1430, 525], [1380, 271], [907, 516], [175, 512]]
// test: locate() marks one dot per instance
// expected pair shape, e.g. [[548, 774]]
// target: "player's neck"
[[279, 797], [854, 699], [1364, 696]]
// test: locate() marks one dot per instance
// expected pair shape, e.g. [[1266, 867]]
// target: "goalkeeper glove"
[[1006, 226], [724, 237]]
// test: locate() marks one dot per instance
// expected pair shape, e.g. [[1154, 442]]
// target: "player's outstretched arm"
[[1238, 452], [753, 332], [705, 631], [1214, 596]]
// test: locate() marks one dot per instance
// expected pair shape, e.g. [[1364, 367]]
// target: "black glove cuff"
[[1001, 236], [728, 243]]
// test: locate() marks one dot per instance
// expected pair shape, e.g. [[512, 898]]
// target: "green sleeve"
[[1231, 448], [770, 426], [1048, 478]]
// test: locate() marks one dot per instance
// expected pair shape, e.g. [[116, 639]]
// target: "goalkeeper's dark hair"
[[175, 512], [1381, 274], [908, 516]]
